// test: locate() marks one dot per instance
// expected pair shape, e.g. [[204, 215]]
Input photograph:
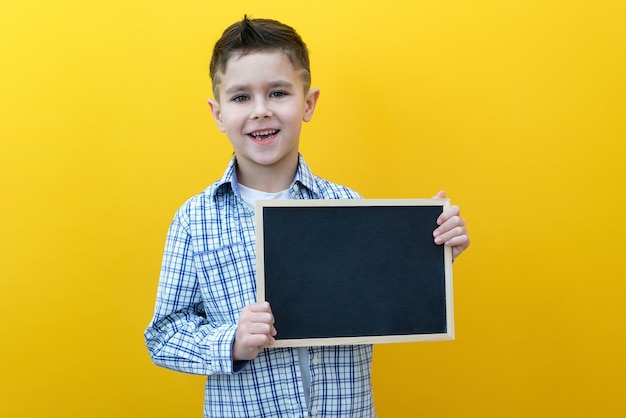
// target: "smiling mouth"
[[263, 135]]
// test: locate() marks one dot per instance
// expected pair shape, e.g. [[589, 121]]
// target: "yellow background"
[[516, 108]]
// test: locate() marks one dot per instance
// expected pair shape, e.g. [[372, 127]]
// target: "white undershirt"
[[250, 196]]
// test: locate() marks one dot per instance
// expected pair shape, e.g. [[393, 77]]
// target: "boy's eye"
[[278, 93], [240, 98]]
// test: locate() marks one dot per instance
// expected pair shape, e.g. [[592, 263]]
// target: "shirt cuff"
[[221, 345]]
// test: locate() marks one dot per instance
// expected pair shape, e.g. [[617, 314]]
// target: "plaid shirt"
[[207, 277]]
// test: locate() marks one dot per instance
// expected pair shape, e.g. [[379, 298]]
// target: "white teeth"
[[264, 133]]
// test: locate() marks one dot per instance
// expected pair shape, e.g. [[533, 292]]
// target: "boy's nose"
[[260, 110]]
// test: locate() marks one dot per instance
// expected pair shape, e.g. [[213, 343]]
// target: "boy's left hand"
[[452, 230]]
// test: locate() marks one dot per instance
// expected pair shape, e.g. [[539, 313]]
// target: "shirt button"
[[315, 360], [314, 410]]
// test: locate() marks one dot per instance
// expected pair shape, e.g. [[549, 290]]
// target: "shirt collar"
[[304, 178]]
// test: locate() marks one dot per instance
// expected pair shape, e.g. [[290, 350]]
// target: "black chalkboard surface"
[[354, 271]]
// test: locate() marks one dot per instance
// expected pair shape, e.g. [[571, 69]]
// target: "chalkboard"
[[354, 271]]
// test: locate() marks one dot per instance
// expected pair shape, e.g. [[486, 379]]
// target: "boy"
[[206, 320]]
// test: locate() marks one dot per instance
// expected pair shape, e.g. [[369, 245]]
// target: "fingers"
[[452, 231], [255, 330], [257, 321], [450, 225], [449, 212]]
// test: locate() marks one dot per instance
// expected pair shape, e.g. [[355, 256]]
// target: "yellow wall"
[[516, 108]]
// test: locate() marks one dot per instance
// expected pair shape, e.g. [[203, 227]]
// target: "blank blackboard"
[[354, 271]]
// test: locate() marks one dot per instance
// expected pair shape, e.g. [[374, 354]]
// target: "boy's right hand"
[[255, 330]]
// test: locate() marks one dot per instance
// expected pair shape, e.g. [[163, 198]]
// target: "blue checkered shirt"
[[207, 277]]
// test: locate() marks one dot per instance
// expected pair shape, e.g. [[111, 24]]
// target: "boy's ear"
[[310, 100], [217, 114]]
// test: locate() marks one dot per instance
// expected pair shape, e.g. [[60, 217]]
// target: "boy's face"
[[261, 107]]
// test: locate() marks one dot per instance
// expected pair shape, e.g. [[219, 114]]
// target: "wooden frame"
[[361, 271]]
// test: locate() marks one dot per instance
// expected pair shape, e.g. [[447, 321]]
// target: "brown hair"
[[254, 35]]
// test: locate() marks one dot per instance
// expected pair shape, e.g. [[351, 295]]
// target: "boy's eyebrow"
[[280, 83], [236, 88], [243, 87]]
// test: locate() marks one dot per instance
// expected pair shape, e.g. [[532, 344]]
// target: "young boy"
[[206, 320]]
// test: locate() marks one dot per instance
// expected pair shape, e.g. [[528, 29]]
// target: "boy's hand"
[[254, 331], [452, 230]]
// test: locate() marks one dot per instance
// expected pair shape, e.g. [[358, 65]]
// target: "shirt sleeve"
[[179, 337]]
